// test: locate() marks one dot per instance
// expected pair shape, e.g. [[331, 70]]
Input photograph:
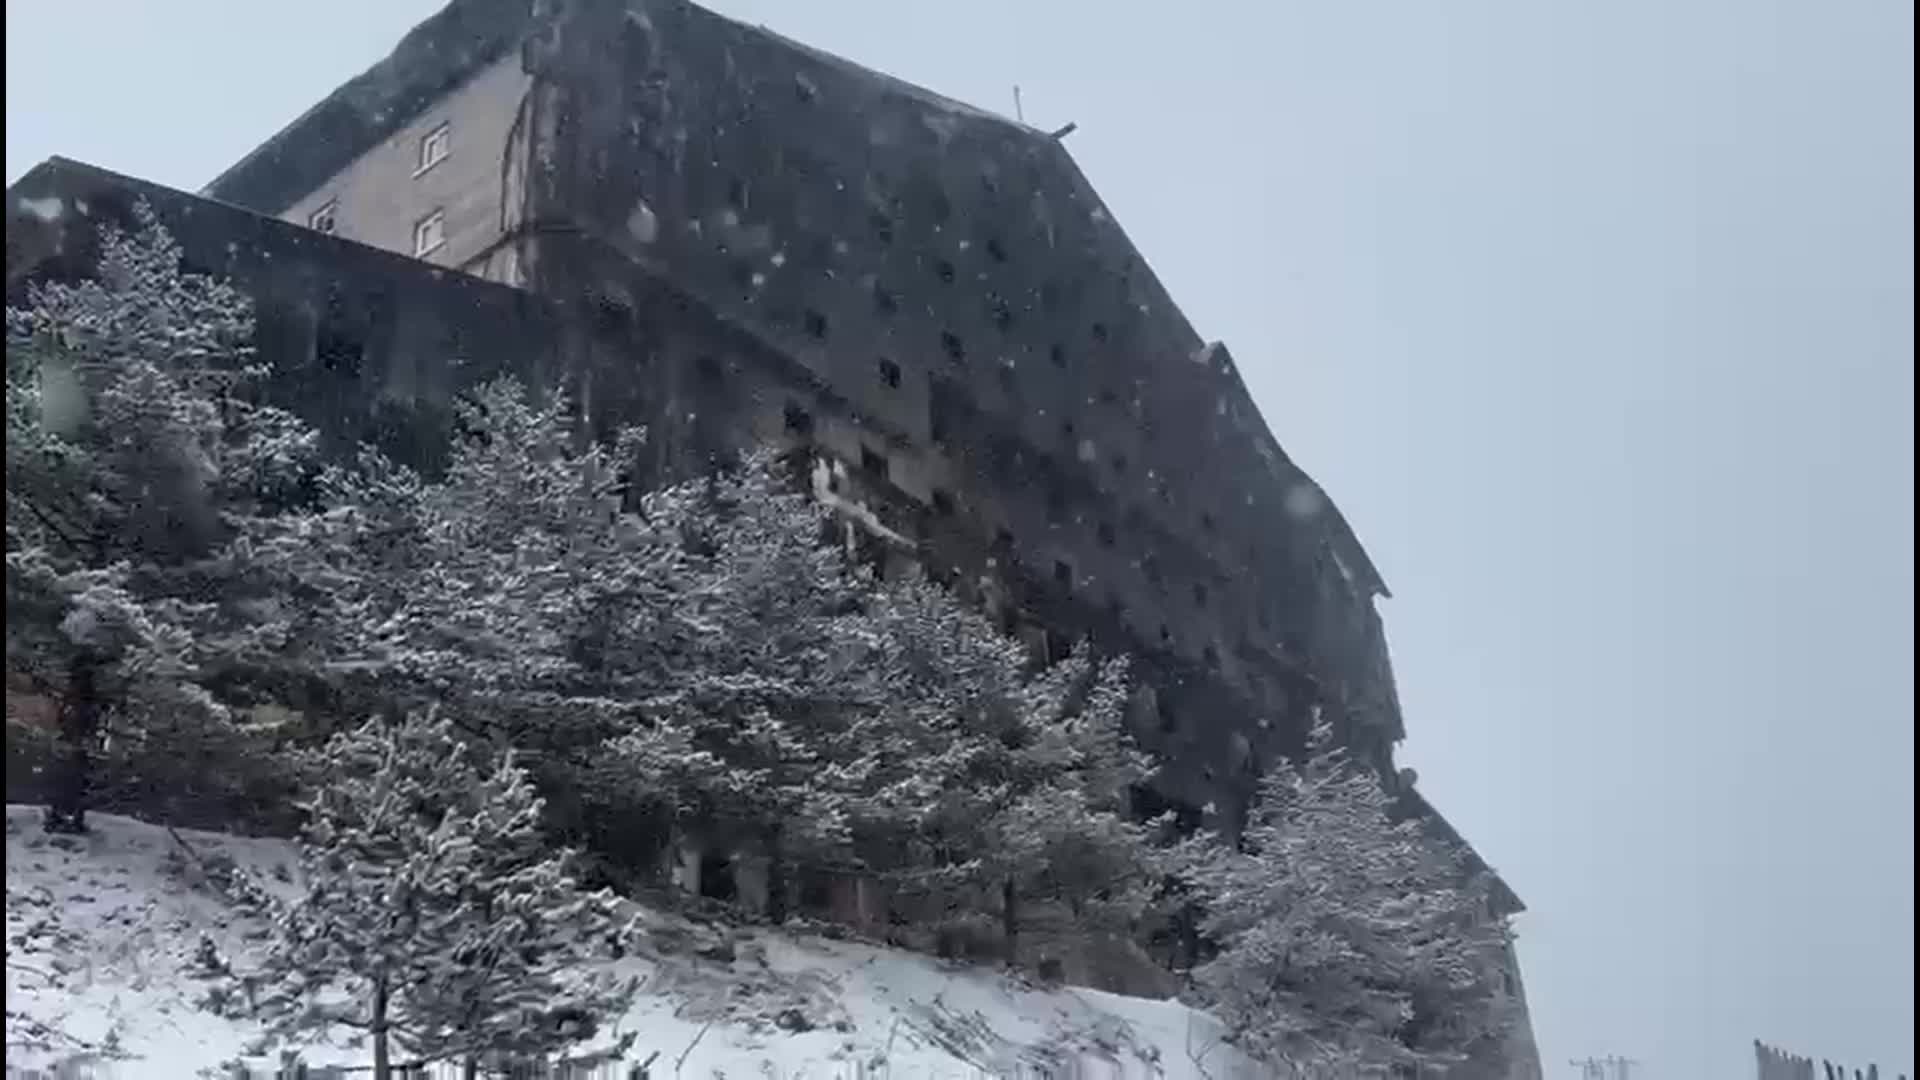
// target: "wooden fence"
[[1776, 1064]]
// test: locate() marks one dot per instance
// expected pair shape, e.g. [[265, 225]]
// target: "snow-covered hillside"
[[104, 934]]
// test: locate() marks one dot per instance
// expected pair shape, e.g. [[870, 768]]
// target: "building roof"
[[434, 57]]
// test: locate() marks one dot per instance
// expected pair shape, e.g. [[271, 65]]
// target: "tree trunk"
[[1010, 920], [382, 1066], [1188, 924], [79, 726], [470, 1070], [776, 878]]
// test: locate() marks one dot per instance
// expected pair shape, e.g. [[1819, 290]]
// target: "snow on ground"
[[104, 933]]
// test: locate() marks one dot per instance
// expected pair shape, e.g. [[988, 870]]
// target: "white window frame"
[[430, 234], [328, 212], [435, 147]]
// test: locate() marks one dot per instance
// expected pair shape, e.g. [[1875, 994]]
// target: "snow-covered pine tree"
[[1345, 937], [1070, 836], [1063, 831], [945, 680], [757, 708], [435, 917], [1003, 779], [745, 678], [489, 588], [136, 448]]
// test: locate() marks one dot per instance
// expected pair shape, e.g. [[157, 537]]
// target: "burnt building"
[[990, 358], [738, 240]]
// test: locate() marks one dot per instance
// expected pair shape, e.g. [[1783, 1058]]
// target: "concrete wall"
[[366, 344], [383, 194]]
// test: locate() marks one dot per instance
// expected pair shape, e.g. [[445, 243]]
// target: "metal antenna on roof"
[[1018, 113]]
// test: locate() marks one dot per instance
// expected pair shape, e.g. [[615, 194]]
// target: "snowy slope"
[[102, 933]]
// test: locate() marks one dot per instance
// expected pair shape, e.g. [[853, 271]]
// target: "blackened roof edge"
[[435, 56]]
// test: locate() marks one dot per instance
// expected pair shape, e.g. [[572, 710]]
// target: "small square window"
[[434, 146], [1056, 502], [798, 420], [1063, 572], [430, 234], [942, 503], [324, 219], [872, 463], [890, 373]]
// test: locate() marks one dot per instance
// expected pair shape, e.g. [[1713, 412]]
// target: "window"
[[890, 373], [433, 148], [1056, 502], [942, 503], [799, 421], [1063, 573], [323, 219], [873, 464], [430, 234], [338, 352]]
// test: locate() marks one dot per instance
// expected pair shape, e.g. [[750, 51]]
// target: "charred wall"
[[740, 239], [944, 273], [374, 347], [951, 275]]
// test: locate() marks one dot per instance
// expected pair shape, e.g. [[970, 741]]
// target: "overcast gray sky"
[[1595, 318]]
